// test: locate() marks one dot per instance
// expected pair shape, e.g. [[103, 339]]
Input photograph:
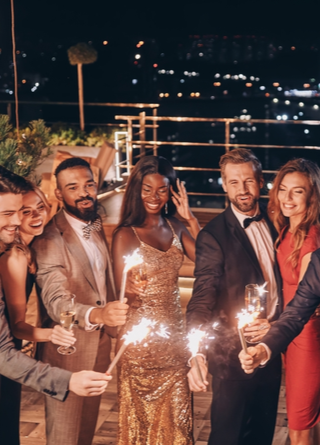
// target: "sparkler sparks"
[[195, 337], [136, 335], [130, 261]]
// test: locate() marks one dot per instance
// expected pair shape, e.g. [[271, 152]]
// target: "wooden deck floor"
[[32, 425]]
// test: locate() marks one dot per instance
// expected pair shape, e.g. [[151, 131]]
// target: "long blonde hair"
[[312, 216]]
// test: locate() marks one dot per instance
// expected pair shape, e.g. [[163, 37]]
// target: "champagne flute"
[[252, 298], [253, 303], [67, 318]]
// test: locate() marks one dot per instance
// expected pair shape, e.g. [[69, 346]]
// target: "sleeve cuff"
[[87, 325], [201, 355], [268, 351]]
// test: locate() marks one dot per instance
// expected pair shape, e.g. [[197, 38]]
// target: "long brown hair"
[[312, 216]]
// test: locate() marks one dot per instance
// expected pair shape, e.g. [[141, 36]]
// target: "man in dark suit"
[[233, 250], [291, 321]]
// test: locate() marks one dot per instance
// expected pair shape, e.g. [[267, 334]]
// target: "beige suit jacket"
[[64, 266]]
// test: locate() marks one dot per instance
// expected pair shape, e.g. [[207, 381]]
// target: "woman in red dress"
[[294, 208]]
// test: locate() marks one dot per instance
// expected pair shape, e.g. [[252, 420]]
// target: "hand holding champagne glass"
[[67, 318]]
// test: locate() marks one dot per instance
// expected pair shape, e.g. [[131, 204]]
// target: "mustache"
[[88, 198]]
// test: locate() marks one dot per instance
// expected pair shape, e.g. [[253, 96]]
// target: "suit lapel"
[[74, 246], [110, 278], [240, 237]]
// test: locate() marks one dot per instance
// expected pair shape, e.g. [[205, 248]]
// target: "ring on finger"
[[263, 326]]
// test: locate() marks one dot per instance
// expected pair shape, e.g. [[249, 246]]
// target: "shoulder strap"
[[135, 232], [170, 225]]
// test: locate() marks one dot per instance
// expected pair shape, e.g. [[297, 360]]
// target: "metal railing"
[[137, 140]]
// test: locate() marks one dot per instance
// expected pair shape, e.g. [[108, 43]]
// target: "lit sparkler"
[[136, 335], [195, 337], [130, 261]]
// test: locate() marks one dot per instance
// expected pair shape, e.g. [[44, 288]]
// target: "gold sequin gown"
[[154, 398]]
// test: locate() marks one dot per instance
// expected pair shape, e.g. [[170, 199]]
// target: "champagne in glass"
[[252, 298], [253, 303], [67, 318]]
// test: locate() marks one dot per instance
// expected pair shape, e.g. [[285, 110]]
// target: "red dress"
[[302, 358]]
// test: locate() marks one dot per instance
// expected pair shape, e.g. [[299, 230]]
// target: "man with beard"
[[72, 257], [233, 250]]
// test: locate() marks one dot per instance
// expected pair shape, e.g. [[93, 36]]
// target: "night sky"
[[100, 18]]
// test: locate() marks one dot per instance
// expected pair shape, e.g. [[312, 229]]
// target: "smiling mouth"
[[152, 206], [36, 225]]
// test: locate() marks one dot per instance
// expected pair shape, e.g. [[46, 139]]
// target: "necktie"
[[92, 227], [248, 221]]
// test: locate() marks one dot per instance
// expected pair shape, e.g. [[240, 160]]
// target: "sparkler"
[[136, 335], [130, 261], [195, 337]]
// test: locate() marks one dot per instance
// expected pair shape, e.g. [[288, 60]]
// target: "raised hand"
[[181, 201]]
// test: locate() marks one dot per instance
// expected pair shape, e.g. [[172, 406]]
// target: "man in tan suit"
[[72, 256]]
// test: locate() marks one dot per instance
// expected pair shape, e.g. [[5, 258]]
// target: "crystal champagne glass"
[[67, 319], [252, 302]]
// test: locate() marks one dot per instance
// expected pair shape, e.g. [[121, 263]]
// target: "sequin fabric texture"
[[154, 398]]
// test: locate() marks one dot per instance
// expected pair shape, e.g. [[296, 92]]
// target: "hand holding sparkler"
[[252, 357], [198, 367]]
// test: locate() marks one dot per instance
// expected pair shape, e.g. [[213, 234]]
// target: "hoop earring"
[[166, 208]]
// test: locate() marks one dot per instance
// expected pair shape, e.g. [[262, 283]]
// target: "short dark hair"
[[241, 156], [132, 211], [71, 163], [12, 183]]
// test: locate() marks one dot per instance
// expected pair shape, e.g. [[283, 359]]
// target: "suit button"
[[98, 303]]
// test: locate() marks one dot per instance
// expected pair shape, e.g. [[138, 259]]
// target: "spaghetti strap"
[[135, 232], [172, 229]]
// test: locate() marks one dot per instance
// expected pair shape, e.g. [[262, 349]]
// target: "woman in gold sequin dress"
[[154, 398]]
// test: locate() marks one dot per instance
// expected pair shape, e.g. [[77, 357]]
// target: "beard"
[[86, 215], [244, 207]]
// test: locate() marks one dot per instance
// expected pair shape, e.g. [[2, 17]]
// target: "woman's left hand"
[[257, 329], [180, 200]]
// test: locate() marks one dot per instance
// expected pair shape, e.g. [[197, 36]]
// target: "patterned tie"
[[248, 221], [92, 227]]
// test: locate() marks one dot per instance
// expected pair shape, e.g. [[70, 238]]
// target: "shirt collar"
[[241, 217], [75, 223]]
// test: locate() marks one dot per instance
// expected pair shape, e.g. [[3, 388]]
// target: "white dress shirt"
[[260, 238], [98, 262]]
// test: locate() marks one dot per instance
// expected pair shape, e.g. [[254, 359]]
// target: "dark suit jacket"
[[225, 264], [298, 311]]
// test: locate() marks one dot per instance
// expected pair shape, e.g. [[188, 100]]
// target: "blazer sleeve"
[[27, 371], [298, 311], [209, 270], [52, 277]]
